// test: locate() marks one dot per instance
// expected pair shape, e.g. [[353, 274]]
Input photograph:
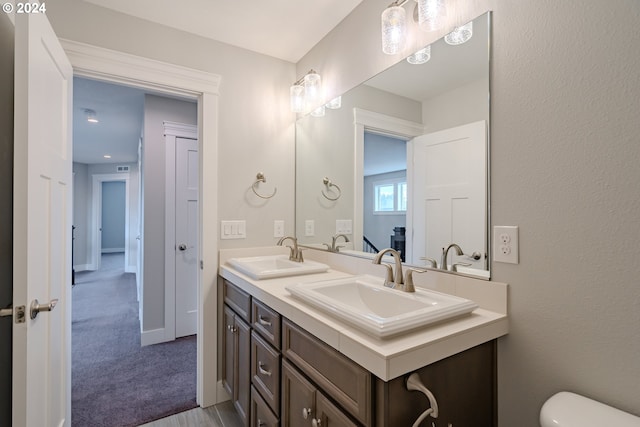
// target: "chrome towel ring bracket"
[[260, 178], [327, 182]]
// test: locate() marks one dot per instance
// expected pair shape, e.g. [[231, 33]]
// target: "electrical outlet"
[[309, 228], [278, 228], [505, 244]]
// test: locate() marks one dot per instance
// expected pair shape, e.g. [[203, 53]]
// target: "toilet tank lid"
[[566, 409]]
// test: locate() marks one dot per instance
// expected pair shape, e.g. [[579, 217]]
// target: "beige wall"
[[255, 131], [565, 162]]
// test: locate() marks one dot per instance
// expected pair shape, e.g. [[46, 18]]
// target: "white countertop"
[[391, 357]]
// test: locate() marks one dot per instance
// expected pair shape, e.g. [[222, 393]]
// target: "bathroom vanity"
[[288, 364]]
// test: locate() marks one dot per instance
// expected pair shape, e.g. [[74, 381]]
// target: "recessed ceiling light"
[[107, 156]]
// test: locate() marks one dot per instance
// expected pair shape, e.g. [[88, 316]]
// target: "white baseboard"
[[154, 336], [112, 250], [82, 267], [130, 269]]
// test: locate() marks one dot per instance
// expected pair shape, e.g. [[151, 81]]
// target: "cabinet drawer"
[[238, 300], [265, 371], [261, 415], [266, 322], [348, 383]]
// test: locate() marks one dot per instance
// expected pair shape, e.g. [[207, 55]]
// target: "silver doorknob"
[[37, 308], [182, 247]]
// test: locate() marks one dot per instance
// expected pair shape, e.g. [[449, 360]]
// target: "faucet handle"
[[408, 281], [433, 262], [454, 267], [299, 257]]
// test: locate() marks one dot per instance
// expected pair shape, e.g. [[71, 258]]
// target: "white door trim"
[[117, 67], [370, 121], [172, 131], [96, 206]]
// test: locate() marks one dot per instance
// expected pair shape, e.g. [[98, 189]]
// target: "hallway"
[[115, 382]]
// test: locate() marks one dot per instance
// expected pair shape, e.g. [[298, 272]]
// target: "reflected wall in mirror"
[[408, 152]]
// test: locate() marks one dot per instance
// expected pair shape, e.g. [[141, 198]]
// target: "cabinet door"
[[229, 351], [261, 415], [330, 415], [298, 398], [242, 397]]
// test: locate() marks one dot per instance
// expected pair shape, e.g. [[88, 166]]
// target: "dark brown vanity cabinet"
[[280, 375], [304, 405], [237, 349]]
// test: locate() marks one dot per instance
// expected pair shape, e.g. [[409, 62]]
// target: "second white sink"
[[272, 266], [382, 312]]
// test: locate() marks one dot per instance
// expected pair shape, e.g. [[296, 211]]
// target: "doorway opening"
[[125, 150]]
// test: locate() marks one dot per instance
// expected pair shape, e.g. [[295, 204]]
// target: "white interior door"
[[447, 179], [186, 260], [42, 225]]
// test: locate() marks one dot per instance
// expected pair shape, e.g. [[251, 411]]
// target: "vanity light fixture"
[[335, 103], [319, 112], [91, 115], [394, 28], [460, 34], [306, 93], [420, 57], [431, 14]]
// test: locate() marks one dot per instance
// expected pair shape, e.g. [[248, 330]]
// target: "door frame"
[[370, 121], [96, 205], [121, 68], [172, 131]]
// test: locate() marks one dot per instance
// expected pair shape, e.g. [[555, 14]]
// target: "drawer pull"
[[262, 370], [264, 321], [316, 422], [306, 412]]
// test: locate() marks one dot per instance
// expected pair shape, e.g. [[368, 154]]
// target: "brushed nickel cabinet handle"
[[264, 321], [262, 370]]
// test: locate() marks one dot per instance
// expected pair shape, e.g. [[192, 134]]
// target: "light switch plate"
[[344, 226], [278, 228], [233, 230], [309, 228], [505, 244]]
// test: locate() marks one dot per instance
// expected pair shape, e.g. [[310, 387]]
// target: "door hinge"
[[201, 265]]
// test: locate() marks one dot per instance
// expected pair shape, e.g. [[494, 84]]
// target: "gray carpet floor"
[[115, 381]]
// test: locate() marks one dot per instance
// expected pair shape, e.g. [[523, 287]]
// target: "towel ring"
[[260, 178], [327, 182]]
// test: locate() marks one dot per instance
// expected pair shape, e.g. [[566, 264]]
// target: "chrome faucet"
[[431, 261], [398, 282], [445, 254], [334, 239], [295, 253]]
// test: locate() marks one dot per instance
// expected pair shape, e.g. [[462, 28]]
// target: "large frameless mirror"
[[403, 161]]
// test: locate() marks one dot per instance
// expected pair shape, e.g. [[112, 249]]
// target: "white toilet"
[[567, 409]]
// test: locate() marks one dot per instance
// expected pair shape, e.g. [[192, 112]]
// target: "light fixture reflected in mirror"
[[335, 103], [297, 98], [319, 112], [460, 34], [394, 28], [420, 57], [92, 117]]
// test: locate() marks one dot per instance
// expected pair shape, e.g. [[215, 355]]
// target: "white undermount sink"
[[383, 312], [272, 266]]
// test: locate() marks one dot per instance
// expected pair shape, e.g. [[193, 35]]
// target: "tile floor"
[[221, 415]]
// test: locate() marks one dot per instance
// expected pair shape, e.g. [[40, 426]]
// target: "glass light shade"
[[297, 98], [318, 112], [460, 34], [394, 29], [420, 57], [431, 14], [312, 89], [335, 103]]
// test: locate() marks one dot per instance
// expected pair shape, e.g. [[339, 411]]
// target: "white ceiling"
[[119, 110], [285, 29]]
